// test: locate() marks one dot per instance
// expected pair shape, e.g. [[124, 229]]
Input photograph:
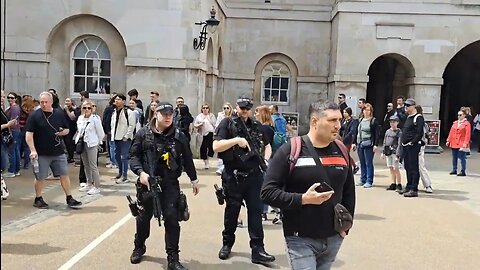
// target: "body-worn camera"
[[219, 192]]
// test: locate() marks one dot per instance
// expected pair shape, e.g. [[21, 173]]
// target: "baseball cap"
[[410, 102], [164, 107], [394, 118], [244, 103]]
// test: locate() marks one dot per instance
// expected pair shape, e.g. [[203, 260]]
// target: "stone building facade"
[[285, 52]]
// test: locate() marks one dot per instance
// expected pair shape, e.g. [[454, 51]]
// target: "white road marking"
[[94, 243]]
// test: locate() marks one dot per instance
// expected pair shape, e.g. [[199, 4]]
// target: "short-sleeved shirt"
[[44, 125], [223, 132]]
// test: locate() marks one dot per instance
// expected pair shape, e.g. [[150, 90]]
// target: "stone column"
[[427, 92], [353, 86]]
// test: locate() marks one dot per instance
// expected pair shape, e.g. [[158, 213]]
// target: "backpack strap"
[[344, 150], [126, 115], [295, 148]]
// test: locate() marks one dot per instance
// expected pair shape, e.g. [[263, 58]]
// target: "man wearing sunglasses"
[[182, 118], [242, 179]]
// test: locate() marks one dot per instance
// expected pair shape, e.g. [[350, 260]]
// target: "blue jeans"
[[111, 148], [25, 150], [456, 154], [14, 153], [121, 156], [365, 154], [309, 253]]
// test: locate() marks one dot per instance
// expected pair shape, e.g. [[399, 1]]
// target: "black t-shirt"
[[269, 132], [224, 132], [44, 125], [284, 190]]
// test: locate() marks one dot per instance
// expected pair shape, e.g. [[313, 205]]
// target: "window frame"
[[98, 77], [271, 75]]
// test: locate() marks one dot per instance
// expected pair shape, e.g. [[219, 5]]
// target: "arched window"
[[275, 83], [92, 65]]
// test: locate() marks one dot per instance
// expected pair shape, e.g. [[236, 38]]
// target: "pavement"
[[434, 231]]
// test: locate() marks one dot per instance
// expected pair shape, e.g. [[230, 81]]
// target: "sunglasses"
[[226, 108], [205, 108], [245, 108], [11, 97], [460, 115], [94, 106], [87, 108]]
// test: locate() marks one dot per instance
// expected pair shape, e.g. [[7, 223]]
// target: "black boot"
[[224, 252], [137, 254], [259, 255], [175, 265]]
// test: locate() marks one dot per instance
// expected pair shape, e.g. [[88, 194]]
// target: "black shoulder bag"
[[7, 136], [343, 220], [80, 146]]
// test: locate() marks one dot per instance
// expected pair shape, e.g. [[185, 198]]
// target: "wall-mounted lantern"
[[209, 25]]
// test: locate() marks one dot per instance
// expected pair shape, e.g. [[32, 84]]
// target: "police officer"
[[160, 150], [242, 178]]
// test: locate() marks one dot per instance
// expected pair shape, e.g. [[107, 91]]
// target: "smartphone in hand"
[[323, 187]]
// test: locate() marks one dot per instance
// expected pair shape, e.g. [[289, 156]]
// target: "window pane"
[[103, 51], [105, 68], [79, 68], [92, 43], [80, 50], [266, 95], [274, 96], [79, 84], [92, 85], [284, 83], [92, 67], [275, 83], [283, 96], [104, 86], [267, 83], [92, 55]]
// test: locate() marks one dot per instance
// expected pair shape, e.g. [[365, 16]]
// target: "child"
[[390, 146]]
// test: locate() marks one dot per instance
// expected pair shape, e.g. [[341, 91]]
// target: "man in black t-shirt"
[[44, 130], [242, 178], [308, 214]]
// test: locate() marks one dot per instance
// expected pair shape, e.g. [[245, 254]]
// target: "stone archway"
[[389, 77], [461, 85]]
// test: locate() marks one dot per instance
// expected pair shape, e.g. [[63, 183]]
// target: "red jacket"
[[459, 136]]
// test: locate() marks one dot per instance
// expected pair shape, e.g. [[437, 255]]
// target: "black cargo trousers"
[[169, 200], [239, 187]]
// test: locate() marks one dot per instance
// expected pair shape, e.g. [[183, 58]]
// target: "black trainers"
[[399, 187], [40, 203], [453, 172], [410, 194], [137, 254], [224, 252], [462, 173], [175, 265], [392, 187], [72, 203]]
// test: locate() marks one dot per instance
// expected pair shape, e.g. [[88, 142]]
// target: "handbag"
[[7, 137], [387, 151], [343, 220], [80, 146], [366, 143]]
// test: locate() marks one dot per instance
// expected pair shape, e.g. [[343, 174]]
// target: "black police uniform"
[[148, 148], [242, 181]]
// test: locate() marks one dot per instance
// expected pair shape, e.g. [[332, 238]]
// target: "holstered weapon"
[[133, 205], [255, 151], [183, 212], [219, 192]]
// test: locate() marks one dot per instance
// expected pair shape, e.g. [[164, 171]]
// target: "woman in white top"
[[227, 112], [205, 122], [91, 129], [138, 114]]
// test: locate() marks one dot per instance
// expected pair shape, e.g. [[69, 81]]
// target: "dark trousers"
[[206, 149], [410, 156], [70, 145], [169, 201], [237, 190]]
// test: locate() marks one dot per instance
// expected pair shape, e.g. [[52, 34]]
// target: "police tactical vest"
[[254, 131], [156, 147]]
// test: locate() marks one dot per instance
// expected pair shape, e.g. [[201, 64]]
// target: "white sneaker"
[[218, 172], [428, 190], [17, 174], [83, 184], [84, 188], [93, 191], [8, 175]]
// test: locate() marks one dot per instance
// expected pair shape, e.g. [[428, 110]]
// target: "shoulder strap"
[[126, 115], [344, 150], [415, 118], [295, 148], [313, 152]]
